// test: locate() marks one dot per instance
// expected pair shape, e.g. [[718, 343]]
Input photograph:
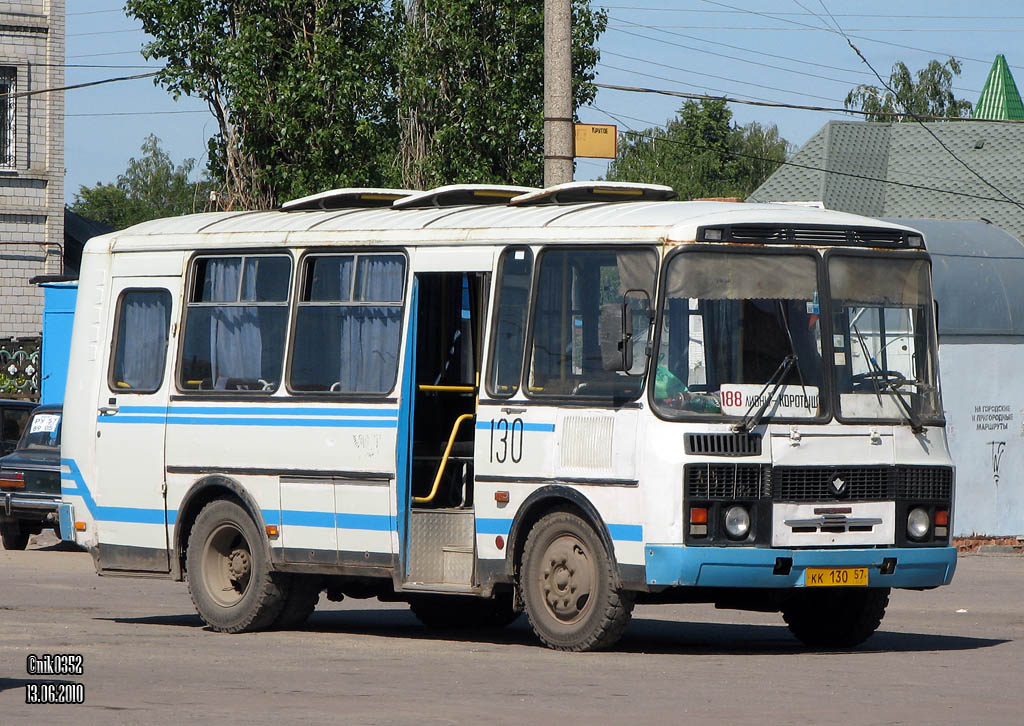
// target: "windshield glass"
[[883, 339], [729, 323], [42, 432]]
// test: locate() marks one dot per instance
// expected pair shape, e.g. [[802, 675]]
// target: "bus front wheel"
[[835, 617], [228, 571], [568, 586]]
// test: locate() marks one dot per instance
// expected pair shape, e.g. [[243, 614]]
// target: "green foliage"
[[303, 90], [930, 95], [151, 187], [472, 76], [315, 94], [700, 153]]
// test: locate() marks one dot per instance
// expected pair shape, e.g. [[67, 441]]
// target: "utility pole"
[[558, 131]]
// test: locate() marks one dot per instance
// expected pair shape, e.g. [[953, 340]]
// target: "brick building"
[[31, 158]]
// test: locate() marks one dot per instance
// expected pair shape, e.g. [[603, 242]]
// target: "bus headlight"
[[918, 523], [737, 521]]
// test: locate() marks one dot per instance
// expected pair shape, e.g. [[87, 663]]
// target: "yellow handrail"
[[459, 389], [444, 460]]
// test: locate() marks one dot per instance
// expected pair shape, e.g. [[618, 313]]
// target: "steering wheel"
[[863, 380]]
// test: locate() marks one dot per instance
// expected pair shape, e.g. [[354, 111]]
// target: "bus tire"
[[228, 571], [835, 617], [568, 586], [453, 612], [300, 602], [13, 536]]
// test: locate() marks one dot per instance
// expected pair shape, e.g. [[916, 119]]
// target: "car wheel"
[[14, 537], [229, 576], [835, 617], [300, 602], [568, 587]]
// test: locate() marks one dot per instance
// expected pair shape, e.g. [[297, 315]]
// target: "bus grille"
[[724, 444], [924, 482], [728, 481], [823, 483]]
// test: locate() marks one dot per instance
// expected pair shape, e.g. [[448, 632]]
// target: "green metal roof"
[[1000, 98]]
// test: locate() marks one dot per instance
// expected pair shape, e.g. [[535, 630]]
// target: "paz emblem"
[[838, 485]]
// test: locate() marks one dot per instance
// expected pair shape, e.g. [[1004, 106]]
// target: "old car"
[[30, 480], [13, 417]]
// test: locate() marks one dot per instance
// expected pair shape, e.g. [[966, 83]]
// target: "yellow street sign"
[[597, 141]]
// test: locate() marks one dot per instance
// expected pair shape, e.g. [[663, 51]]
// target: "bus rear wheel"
[[835, 617], [568, 586], [228, 571]]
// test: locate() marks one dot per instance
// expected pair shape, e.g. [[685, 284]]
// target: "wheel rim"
[[566, 578], [227, 565]]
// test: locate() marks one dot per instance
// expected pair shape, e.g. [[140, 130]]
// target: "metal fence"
[[20, 360]]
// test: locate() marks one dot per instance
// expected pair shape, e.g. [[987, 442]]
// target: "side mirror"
[[636, 308]]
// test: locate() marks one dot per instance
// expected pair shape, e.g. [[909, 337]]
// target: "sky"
[[786, 51]]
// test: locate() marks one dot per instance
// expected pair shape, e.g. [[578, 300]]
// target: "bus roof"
[[587, 222]]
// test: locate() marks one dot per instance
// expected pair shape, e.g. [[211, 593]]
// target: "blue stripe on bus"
[[261, 411], [132, 515], [341, 520], [618, 532], [486, 426], [225, 421]]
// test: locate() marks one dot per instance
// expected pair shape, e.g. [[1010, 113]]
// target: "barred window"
[[8, 79]]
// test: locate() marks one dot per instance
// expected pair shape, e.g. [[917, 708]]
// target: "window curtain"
[[368, 335], [144, 323], [236, 345]]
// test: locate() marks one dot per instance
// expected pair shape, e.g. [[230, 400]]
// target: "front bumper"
[[676, 565], [15, 505]]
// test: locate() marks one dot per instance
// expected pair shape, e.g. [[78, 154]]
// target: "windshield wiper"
[[880, 376], [749, 422]]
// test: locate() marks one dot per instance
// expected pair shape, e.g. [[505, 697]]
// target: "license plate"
[[836, 577]]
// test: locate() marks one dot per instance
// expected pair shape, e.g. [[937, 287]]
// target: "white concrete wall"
[[983, 398]]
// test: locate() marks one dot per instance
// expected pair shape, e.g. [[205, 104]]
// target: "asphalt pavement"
[[948, 656]]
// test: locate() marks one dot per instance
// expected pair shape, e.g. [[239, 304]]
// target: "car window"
[[12, 424], [42, 432]]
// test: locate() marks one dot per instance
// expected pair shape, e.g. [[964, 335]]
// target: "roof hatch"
[[596, 191], [457, 195], [347, 198]]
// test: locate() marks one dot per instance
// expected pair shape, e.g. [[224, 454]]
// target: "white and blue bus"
[[485, 400]]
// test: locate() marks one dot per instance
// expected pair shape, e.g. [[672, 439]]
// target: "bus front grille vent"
[[924, 483], [727, 444], [728, 481], [824, 483], [862, 483]]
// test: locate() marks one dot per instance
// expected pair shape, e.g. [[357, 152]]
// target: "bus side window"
[[140, 347], [512, 303], [348, 327], [235, 323]]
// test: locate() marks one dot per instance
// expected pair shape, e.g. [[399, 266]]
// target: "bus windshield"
[[883, 337], [740, 330]]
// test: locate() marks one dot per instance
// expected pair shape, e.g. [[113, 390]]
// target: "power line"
[[797, 165], [777, 29], [711, 75], [838, 15], [96, 12], [704, 51], [858, 37], [105, 32], [799, 107], [917, 118], [38, 91], [130, 113]]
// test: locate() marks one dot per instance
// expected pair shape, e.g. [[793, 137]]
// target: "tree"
[[471, 94], [313, 94], [700, 153], [302, 90], [930, 95], [151, 187]]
